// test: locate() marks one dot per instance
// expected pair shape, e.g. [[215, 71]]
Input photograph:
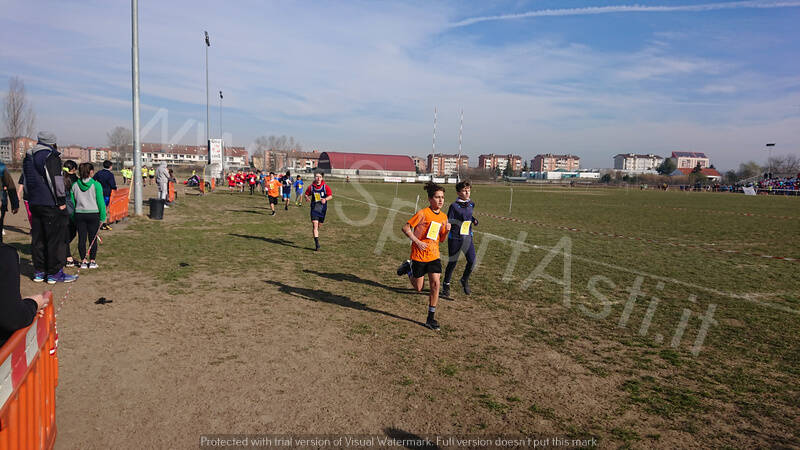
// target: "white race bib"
[[465, 228], [433, 231]]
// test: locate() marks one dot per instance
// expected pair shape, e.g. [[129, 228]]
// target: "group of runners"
[[425, 229]]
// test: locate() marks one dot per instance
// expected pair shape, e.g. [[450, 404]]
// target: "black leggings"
[[2, 219], [70, 235], [87, 225], [455, 247]]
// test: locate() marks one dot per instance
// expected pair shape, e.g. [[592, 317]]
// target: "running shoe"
[[404, 268], [61, 277], [84, 265], [93, 265], [445, 290], [465, 285], [38, 277], [432, 324]]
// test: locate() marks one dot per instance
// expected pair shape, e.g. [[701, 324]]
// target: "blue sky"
[[592, 78]]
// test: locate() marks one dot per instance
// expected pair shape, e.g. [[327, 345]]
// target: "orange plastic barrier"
[[171, 191], [28, 379], [118, 205], [212, 181]]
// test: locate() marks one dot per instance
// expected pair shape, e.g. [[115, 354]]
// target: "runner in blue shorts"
[[318, 194]]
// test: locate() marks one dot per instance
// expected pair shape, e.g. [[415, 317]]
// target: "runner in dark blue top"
[[318, 194], [460, 238]]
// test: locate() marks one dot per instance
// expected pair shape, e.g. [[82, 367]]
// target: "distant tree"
[[525, 167], [496, 172], [508, 171], [18, 115], [730, 177], [712, 167], [784, 165], [267, 148], [606, 178], [697, 169], [667, 166], [120, 140], [749, 169]]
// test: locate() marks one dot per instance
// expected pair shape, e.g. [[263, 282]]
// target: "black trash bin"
[[156, 208]]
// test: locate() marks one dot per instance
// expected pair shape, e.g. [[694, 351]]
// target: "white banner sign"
[[215, 151], [749, 190]]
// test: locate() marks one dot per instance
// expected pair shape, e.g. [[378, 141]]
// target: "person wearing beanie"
[[46, 195]]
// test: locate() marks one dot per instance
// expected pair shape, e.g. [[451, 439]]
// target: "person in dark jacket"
[[106, 179], [8, 192], [459, 240], [15, 312], [46, 195]]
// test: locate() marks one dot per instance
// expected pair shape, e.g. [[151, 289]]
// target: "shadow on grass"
[[354, 279], [318, 295], [248, 211], [410, 440], [271, 241]]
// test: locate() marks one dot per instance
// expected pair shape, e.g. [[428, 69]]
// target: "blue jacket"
[[106, 179], [44, 182]]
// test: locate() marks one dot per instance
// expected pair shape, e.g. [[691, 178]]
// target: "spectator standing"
[[106, 179], [46, 194], [90, 212], [8, 192], [162, 180]]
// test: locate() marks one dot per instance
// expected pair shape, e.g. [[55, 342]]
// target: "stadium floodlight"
[[208, 44], [770, 145]]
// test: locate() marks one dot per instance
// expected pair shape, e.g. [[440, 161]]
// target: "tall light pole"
[[220, 132], [137, 146], [769, 161], [208, 44]]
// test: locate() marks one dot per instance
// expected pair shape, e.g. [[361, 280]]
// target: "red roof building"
[[366, 164], [685, 171]]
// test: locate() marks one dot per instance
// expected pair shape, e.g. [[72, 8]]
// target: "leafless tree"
[[273, 149], [784, 165], [120, 140], [18, 115]]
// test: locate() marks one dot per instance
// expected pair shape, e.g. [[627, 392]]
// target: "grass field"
[[639, 318]]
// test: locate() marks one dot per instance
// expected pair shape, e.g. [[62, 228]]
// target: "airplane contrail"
[[626, 9]]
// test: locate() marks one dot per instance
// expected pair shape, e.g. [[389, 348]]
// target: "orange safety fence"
[[118, 205], [212, 183], [28, 379]]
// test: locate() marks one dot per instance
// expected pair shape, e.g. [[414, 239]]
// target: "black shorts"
[[419, 269], [273, 200]]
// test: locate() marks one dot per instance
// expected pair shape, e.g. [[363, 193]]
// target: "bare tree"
[[18, 114], [784, 165], [274, 149], [120, 140]]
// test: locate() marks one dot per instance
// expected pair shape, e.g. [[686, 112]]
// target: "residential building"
[[420, 164], [711, 174], [492, 162], [443, 165], [75, 153], [98, 155], [23, 144], [297, 160], [191, 155], [550, 162], [637, 164], [690, 160]]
